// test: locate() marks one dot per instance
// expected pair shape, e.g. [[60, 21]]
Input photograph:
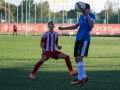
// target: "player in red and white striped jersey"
[[49, 45], [50, 41]]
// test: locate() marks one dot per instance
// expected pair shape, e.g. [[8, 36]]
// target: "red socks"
[[37, 66], [67, 60], [68, 63]]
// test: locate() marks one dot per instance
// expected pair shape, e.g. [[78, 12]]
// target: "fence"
[[37, 29]]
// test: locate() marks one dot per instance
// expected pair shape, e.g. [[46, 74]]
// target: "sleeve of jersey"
[[43, 39], [78, 22], [93, 18]]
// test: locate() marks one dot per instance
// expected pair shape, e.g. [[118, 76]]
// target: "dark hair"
[[50, 22], [87, 6]]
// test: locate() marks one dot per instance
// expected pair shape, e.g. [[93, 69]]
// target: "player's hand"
[[59, 47], [60, 28], [87, 12]]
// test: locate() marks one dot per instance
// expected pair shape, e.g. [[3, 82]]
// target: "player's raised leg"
[[68, 63], [37, 66]]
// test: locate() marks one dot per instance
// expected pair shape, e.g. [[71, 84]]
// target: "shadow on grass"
[[17, 79]]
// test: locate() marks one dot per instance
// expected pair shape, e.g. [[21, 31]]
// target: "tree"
[[1, 3], [71, 15], [110, 12], [23, 13], [3, 8]]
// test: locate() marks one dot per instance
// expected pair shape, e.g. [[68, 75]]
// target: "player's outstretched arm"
[[69, 28]]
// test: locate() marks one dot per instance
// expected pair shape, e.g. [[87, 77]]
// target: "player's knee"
[[42, 60], [67, 57], [79, 58]]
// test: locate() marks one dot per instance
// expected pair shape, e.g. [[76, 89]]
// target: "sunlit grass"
[[18, 55]]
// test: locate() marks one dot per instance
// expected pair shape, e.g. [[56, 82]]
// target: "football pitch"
[[18, 55]]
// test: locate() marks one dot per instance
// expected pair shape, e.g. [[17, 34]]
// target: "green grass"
[[18, 55]]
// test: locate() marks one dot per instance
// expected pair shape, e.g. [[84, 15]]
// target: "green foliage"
[[45, 9], [112, 13], [1, 3], [112, 10], [102, 14], [12, 10], [71, 15], [18, 55]]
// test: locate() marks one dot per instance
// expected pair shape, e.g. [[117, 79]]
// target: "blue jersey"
[[84, 29]]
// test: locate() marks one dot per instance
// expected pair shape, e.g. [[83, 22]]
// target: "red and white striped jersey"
[[50, 41]]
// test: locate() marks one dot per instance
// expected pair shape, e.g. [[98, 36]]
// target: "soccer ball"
[[80, 6]]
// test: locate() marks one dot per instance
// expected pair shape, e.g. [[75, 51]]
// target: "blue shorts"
[[81, 48]]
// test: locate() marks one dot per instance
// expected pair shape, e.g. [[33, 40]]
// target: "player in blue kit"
[[82, 42]]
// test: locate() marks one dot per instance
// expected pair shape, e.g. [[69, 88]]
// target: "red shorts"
[[15, 30], [52, 54]]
